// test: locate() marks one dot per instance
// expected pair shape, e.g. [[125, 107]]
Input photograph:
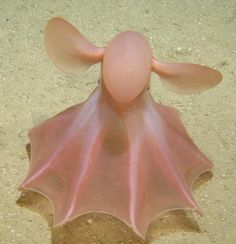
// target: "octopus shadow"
[[103, 228]]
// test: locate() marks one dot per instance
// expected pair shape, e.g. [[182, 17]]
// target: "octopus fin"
[[68, 48], [186, 78]]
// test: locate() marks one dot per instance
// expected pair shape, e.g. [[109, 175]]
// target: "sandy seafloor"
[[33, 89]]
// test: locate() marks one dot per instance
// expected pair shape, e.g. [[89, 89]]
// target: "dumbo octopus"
[[119, 152]]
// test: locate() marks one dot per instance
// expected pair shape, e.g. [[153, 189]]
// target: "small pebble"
[[90, 221], [183, 51]]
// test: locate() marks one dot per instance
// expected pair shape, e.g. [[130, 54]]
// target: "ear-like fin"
[[68, 48], [186, 78]]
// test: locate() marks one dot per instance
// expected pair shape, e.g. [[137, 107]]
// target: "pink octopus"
[[119, 152]]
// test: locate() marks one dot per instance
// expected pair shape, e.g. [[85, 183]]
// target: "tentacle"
[[163, 161], [133, 165]]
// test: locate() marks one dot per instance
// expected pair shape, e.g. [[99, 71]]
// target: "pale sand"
[[33, 89]]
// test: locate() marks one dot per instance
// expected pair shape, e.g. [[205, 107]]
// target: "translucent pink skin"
[[119, 152], [127, 58]]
